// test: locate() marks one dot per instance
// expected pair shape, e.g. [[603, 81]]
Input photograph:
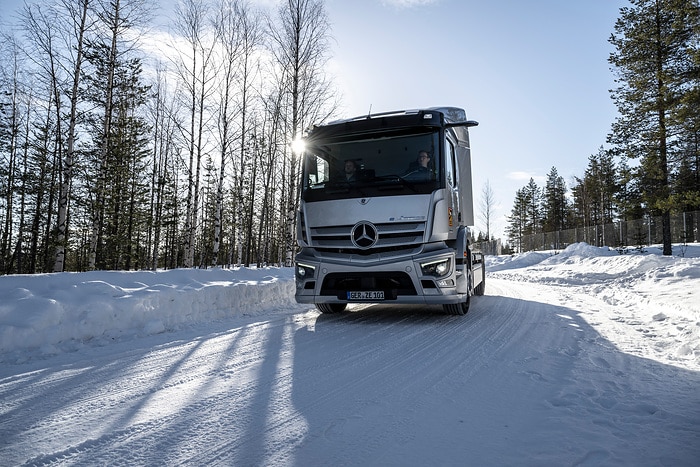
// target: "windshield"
[[376, 165]]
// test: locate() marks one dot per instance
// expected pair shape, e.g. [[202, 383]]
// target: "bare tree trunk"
[[68, 161], [38, 206], [196, 78], [300, 45], [488, 203], [23, 194], [255, 156], [163, 147], [6, 238], [231, 32], [270, 132]]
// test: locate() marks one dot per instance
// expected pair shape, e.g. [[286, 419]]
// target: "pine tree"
[[601, 176], [652, 41], [556, 206], [534, 196], [517, 221], [39, 185], [581, 205], [117, 169], [686, 181], [628, 196]]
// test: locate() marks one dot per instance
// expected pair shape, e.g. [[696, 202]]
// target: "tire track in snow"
[[98, 390], [406, 336], [377, 385], [368, 350]]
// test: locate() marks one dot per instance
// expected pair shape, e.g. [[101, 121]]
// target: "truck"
[[385, 209]]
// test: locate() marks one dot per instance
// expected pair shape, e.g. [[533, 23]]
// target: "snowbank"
[[57, 312], [53, 313], [655, 299]]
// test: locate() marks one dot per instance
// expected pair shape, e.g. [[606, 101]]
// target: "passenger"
[[350, 170], [420, 169]]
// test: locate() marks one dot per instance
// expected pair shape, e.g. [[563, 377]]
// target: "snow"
[[649, 303], [52, 313], [577, 357]]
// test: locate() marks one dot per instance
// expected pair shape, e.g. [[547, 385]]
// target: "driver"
[[420, 169]]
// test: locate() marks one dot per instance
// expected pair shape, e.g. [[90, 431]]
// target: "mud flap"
[[462, 269]]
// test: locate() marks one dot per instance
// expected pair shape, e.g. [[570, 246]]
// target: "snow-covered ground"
[[585, 357], [46, 314], [644, 303]]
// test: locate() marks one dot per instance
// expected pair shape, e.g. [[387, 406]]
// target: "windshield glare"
[[404, 163]]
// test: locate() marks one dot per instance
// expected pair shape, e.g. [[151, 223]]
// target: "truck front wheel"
[[457, 308], [331, 307]]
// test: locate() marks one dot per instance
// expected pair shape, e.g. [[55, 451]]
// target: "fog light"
[[305, 271]]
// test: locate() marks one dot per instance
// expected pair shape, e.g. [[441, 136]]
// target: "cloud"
[[519, 175], [524, 177]]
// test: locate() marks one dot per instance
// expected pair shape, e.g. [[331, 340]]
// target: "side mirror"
[[467, 123]]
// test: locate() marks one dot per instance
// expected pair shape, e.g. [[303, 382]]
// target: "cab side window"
[[450, 171]]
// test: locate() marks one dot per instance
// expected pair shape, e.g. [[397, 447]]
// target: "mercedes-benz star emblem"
[[364, 235]]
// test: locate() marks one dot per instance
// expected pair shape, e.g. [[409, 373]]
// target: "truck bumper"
[[427, 278]]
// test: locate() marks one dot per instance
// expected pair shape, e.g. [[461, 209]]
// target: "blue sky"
[[534, 73]]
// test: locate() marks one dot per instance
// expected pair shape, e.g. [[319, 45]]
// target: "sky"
[[534, 74], [586, 357]]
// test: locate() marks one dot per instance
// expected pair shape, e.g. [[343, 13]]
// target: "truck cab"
[[386, 205]]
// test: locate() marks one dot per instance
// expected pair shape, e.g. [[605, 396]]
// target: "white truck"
[[386, 205]]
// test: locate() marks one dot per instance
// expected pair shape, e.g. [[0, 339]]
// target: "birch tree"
[[251, 35], [9, 137], [239, 37], [488, 203], [79, 18], [195, 70], [61, 53], [43, 48], [299, 42]]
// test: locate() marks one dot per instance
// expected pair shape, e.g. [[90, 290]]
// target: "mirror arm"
[[468, 123]]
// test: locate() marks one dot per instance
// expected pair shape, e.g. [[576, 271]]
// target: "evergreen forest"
[[651, 167]]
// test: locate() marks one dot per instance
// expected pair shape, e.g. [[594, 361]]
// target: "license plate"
[[366, 295]]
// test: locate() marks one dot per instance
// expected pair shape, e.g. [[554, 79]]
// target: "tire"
[[331, 307], [457, 308]]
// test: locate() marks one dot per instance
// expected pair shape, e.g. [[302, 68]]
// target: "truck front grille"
[[390, 236]]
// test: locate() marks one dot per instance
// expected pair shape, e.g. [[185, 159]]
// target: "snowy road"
[[522, 379]]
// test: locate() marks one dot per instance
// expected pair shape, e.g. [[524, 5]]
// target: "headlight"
[[437, 268], [305, 271]]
